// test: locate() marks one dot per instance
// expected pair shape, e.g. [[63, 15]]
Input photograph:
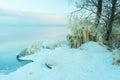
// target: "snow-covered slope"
[[90, 62]]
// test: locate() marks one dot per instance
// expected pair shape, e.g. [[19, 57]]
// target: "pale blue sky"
[[16, 12], [41, 6]]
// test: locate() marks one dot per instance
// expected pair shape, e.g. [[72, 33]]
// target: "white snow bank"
[[69, 64], [51, 45], [93, 46]]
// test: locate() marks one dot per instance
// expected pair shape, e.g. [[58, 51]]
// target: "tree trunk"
[[99, 10], [97, 20], [111, 19]]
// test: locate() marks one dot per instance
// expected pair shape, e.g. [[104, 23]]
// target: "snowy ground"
[[90, 62]]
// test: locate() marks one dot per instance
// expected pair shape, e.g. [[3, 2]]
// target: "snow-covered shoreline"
[[90, 62]]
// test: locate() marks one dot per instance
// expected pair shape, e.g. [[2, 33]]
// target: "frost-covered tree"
[[104, 15]]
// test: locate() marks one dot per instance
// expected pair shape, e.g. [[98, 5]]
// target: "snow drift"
[[91, 61]]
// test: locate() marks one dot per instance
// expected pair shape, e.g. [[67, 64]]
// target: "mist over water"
[[16, 34]]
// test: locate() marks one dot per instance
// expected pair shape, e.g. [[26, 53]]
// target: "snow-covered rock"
[[33, 48], [116, 60]]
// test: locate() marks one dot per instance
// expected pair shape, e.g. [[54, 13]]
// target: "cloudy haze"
[[34, 12], [42, 6]]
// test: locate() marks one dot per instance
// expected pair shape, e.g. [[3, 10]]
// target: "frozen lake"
[[15, 39]]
